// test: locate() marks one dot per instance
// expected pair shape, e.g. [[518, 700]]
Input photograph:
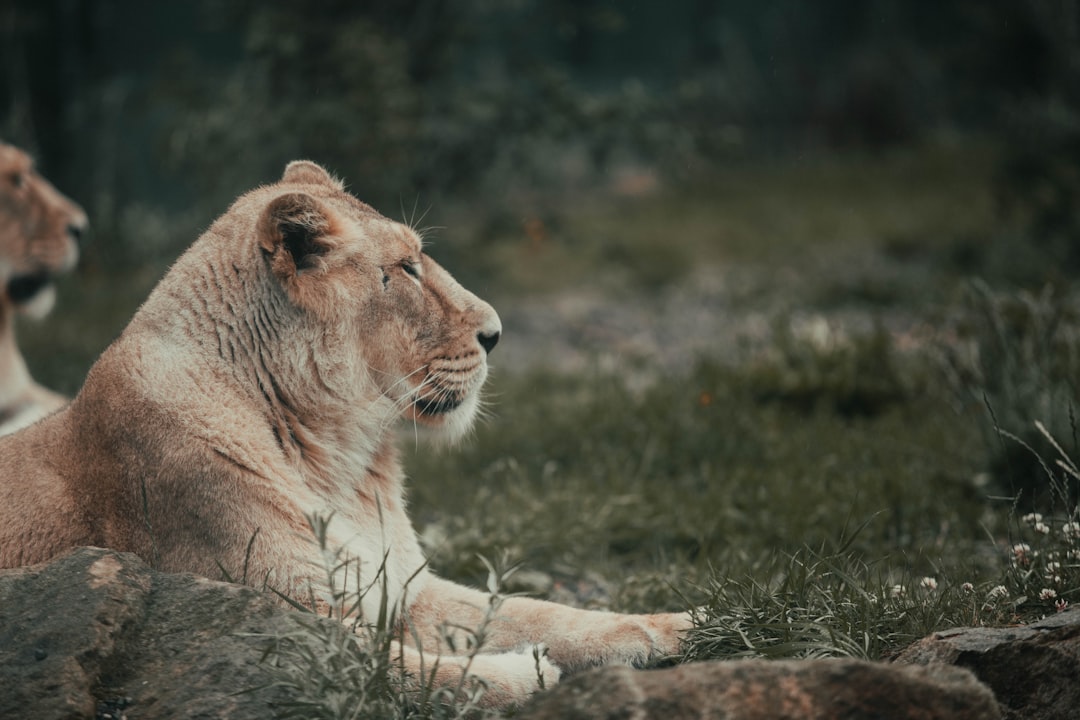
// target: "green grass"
[[699, 467], [790, 520]]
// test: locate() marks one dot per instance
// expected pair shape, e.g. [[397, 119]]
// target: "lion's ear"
[[305, 172], [294, 231]]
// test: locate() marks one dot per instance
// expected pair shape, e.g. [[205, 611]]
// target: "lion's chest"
[[363, 546], [371, 558]]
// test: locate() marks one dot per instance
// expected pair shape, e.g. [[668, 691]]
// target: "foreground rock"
[[97, 631], [769, 690], [1033, 670]]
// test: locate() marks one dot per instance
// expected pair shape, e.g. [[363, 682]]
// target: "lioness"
[[261, 382], [39, 239]]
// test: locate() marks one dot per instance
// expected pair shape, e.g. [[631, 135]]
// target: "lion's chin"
[[445, 422], [33, 295]]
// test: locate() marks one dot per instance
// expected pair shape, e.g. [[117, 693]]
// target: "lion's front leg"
[[509, 678], [575, 639]]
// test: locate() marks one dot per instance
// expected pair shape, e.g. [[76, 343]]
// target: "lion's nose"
[[77, 233], [488, 340]]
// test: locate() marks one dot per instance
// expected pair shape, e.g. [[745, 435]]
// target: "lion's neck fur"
[[314, 412], [306, 434]]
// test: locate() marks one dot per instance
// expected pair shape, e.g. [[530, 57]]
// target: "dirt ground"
[[724, 313]]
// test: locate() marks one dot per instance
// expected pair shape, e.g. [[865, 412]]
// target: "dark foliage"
[[135, 105]]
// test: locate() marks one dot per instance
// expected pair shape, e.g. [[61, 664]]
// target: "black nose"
[[77, 233], [488, 341]]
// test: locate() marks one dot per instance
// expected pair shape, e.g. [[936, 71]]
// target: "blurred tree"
[[1039, 177], [133, 106], [41, 52]]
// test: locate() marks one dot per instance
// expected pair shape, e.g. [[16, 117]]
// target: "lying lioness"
[[260, 383], [39, 239]]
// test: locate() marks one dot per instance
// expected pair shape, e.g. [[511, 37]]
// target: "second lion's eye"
[[411, 269]]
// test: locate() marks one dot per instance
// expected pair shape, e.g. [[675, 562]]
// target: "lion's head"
[[352, 323], [423, 338], [40, 230]]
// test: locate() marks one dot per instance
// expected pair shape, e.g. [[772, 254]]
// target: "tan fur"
[[39, 230], [262, 381]]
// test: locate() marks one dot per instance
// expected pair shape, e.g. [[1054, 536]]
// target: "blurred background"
[[498, 122], [798, 262], [634, 186]]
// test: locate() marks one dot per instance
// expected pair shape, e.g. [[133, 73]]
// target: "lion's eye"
[[411, 269], [18, 179]]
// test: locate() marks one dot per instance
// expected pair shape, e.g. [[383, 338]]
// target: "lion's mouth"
[[437, 406], [449, 385], [22, 289]]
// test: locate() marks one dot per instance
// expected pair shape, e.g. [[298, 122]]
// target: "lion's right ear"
[[295, 232]]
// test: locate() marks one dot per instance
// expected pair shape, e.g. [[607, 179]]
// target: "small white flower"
[[897, 591], [1047, 594], [1052, 568], [1071, 530], [997, 592], [1042, 528], [1032, 518], [1022, 553], [968, 587], [1061, 604], [929, 583]]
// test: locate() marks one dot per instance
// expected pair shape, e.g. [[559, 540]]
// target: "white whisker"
[[386, 392]]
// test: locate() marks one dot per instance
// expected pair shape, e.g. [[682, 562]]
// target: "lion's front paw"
[[667, 632], [511, 678], [637, 640]]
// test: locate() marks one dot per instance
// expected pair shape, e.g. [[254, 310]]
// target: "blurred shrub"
[[1039, 188], [312, 82], [405, 97], [1018, 354], [813, 364], [425, 97]]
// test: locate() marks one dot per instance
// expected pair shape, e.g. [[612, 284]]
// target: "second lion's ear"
[[294, 232]]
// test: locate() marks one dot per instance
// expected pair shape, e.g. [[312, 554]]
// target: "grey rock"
[[1034, 670], [99, 629], [768, 690]]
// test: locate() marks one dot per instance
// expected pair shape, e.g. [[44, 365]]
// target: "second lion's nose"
[[77, 233]]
